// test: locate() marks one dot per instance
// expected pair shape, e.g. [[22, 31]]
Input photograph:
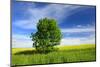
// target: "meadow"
[[64, 54]]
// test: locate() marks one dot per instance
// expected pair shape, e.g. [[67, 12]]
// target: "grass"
[[65, 54]]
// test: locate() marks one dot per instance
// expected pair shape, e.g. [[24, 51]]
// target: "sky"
[[76, 22]]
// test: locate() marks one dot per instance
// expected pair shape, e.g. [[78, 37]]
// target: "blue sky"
[[77, 22]]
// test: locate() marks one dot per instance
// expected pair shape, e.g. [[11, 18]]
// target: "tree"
[[47, 36]]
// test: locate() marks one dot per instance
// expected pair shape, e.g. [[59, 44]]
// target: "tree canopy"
[[47, 36]]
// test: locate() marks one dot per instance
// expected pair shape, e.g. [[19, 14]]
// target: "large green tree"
[[47, 36]]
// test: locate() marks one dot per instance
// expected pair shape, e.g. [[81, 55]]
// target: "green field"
[[65, 54]]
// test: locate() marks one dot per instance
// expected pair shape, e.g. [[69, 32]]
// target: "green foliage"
[[47, 36]]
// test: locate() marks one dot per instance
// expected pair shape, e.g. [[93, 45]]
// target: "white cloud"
[[21, 44], [89, 40], [70, 41], [78, 30], [77, 41], [25, 24], [21, 41], [78, 26], [20, 37], [56, 10], [52, 11]]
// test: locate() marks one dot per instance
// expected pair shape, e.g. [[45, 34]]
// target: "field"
[[65, 54]]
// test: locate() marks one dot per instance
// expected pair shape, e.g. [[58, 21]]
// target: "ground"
[[64, 54]]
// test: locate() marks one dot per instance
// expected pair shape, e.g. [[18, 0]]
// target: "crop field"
[[64, 54]]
